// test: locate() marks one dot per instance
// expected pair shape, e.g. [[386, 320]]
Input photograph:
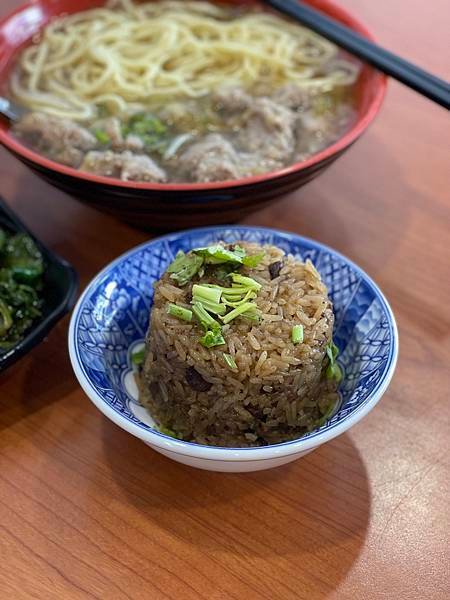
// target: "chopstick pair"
[[404, 71]]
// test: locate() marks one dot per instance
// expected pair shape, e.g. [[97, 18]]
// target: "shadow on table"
[[315, 510]]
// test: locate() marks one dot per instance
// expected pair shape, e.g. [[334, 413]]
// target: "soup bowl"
[[174, 206], [111, 320]]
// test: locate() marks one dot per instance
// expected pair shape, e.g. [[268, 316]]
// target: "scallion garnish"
[[297, 334], [212, 338], [246, 282], [235, 291], [102, 136], [247, 307], [184, 267], [211, 294], [230, 361], [252, 316], [179, 312], [137, 358], [205, 319], [237, 301], [333, 370], [212, 307]]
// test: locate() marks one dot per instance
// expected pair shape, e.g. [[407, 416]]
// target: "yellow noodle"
[[128, 54]]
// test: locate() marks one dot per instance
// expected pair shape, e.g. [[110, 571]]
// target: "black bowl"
[[59, 293]]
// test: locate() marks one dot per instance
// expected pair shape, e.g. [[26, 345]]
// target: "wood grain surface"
[[88, 511]]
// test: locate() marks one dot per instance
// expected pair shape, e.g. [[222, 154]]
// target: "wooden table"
[[87, 511]]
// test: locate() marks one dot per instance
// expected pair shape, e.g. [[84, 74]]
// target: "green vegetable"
[[150, 130], [230, 361], [205, 320], [247, 307], [209, 293], [212, 307], [297, 334], [252, 260], [179, 312], [5, 318], [218, 254], [247, 282], [102, 136], [22, 257], [21, 269], [222, 271], [184, 267], [209, 297], [332, 351], [234, 292], [212, 338], [215, 299], [143, 123], [167, 431], [232, 301], [137, 358], [333, 370], [252, 316]]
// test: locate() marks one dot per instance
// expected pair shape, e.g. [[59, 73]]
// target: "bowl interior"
[[17, 30], [112, 316]]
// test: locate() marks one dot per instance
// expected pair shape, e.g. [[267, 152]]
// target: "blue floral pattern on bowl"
[[113, 315]]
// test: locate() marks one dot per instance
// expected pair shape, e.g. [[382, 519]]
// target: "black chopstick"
[[414, 77]]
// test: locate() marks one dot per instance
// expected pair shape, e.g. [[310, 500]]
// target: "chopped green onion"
[[212, 307], [235, 291], [208, 293], [205, 320], [137, 358], [230, 361], [252, 260], [102, 136], [179, 312], [212, 338], [232, 301], [297, 334], [247, 282], [255, 317], [243, 308], [144, 124], [184, 267]]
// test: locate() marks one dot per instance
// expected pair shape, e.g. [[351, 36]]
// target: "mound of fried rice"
[[278, 391]]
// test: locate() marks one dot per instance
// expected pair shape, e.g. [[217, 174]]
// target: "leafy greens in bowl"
[[37, 288]]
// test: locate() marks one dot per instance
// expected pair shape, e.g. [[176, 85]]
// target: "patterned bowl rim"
[[193, 450]]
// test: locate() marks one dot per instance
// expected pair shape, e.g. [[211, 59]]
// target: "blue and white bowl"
[[112, 316]]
